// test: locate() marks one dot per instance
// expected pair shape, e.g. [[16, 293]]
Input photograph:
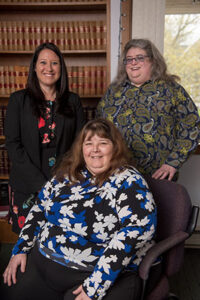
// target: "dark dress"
[[33, 146], [20, 203]]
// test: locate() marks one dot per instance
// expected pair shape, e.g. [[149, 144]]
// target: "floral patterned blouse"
[[159, 122], [47, 129], [105, 230]]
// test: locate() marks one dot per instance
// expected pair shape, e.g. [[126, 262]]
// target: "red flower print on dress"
[[21, 221], [46, 139], [41, 122], [52, 126]]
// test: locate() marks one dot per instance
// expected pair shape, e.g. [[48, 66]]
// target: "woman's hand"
[[81, 294], [164, 171], [9, 274]]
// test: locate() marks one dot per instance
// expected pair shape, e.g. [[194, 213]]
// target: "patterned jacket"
[[105, 230], [159, 122]]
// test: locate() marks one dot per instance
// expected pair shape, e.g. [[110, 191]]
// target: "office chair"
[[177, 220]]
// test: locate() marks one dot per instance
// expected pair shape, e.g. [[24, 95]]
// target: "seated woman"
[[90, 227]]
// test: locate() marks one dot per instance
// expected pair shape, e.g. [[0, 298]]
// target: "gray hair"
[[159, 67]]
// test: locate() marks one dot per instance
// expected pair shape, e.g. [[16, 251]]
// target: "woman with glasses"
[[155, 114]]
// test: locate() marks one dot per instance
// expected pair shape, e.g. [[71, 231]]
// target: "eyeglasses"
[[138, 58]]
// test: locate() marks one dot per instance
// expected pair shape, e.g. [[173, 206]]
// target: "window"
[[181, 51]]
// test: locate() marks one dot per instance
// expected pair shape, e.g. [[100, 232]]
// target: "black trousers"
[[45, 279]]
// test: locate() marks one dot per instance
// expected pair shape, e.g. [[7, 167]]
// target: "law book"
[[67, 36], [14, 36], [1, 35], [17, 70], [26, 36], [23, 76], [98, 40], [93, 80], [11, 79], [104, 83], [82, 35], [37, 33], [55, 30], [9, 35], [86, 89], [75, 79], [76, 36], [4, 35], [61, 35], [69, 71], [2, 90], [6, 80], [104, 35], [80, 80], [87, 35], [20, 45], [43, 31], [99, 80], [92, 35], [71, 39], [1, 120]]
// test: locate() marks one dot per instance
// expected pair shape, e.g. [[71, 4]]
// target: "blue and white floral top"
[[105, 229]]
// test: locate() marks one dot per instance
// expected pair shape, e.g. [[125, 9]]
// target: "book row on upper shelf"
[[67, 35], [84, 80]]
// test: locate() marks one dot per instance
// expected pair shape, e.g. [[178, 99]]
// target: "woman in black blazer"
[[41, 124]]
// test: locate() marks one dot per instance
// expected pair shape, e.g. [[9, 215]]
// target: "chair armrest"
[[158, 249], [193, 220]]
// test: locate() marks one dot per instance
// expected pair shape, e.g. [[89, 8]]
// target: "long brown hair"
[[73, 162]]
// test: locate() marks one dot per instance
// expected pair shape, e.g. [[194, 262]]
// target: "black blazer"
[[22, 140]]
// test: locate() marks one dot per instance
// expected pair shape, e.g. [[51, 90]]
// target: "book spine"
[[61, 35], [9, 35], [104, 87], [86, 89], [75, 79], [11, 79], [2, 90], [92, 35], [93, 80], [80, 80], [6, 81], [14, 36], [4, 35], [20, 45], [69, 71], [99, 80]]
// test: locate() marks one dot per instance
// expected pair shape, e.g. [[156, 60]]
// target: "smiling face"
[[138, 71], [47, 68], [97, 153]]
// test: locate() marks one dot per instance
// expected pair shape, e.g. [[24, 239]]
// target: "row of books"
[[4, 162], [84, 80], [67, 35], [2, 118]]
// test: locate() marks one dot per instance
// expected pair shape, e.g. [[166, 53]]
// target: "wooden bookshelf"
[[51, 12]]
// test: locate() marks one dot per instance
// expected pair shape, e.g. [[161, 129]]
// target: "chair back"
[[174, 209]]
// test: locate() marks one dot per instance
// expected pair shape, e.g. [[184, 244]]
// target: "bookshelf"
[[81, 29]]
